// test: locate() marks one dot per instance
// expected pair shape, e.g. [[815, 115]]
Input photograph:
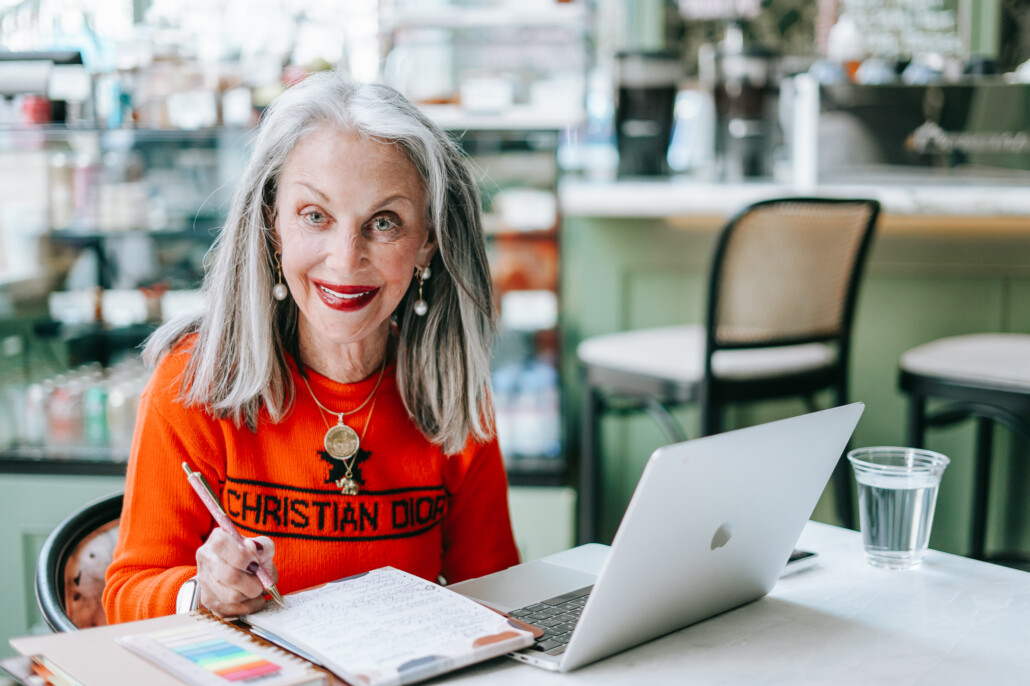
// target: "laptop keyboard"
[[557, 616]]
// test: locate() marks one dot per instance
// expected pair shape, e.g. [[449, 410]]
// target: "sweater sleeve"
[[163, 522], [477, 534]]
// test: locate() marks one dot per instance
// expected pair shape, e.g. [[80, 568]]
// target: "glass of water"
[[897, 491]]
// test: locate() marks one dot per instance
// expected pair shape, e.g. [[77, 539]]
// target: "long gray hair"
[[238, 364]]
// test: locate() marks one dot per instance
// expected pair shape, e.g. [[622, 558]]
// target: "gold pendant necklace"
[[341, 442]]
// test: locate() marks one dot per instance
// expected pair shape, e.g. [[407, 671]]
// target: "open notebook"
[[382, 628]]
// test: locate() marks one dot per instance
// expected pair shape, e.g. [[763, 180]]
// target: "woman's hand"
[[227, 573]]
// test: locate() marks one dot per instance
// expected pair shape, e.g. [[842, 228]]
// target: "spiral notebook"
[[381, 628]]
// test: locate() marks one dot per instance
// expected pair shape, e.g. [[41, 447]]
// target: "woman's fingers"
[[227, 602], [227, 574], [264, 547]]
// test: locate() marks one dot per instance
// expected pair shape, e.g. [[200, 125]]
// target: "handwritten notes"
[[390, 627]]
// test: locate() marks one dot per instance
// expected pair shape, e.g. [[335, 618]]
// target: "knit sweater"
[[417, 509]]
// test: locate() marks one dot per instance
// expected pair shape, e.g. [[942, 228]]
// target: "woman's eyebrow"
[[313, 190], [391, 199]]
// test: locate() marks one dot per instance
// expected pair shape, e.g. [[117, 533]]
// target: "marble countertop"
[[680, 196], [951, 621]]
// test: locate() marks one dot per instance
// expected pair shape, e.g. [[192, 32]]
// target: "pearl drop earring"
[[279, 291], [421, 306]]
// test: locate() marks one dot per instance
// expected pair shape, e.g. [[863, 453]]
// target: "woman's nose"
[[347, 251]]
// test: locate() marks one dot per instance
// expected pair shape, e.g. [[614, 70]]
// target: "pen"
[[196, 480]]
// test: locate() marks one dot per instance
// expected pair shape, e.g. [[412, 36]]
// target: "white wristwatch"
[[188, 598]]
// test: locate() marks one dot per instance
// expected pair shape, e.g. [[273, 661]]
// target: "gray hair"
[[443, 359]]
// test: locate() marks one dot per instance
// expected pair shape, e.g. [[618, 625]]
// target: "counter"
[[677, 198], [947, 259]]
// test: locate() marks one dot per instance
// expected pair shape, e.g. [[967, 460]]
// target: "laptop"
[[709, 528]]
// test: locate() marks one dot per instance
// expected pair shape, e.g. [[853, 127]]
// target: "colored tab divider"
[[219, 656]]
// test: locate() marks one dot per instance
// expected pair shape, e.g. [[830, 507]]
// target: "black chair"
[[781, 301], [69, 571], [980, 377]]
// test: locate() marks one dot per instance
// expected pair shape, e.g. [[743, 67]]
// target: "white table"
[[951, 621]]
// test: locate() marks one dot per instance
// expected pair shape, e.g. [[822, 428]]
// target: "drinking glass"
[[897, 492]]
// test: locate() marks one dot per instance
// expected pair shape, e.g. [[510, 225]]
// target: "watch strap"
[[188, 598]]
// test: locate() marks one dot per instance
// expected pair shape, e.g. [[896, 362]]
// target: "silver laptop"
[[709, 528]]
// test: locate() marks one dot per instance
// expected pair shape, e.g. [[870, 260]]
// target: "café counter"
[[947, 259]]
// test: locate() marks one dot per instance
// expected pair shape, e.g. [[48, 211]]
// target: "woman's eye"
[[314, 216], [382, 224]]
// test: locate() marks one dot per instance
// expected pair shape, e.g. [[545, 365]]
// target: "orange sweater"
[[417, 509]]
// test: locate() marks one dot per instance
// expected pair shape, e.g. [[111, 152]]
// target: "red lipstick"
[[345, 298]]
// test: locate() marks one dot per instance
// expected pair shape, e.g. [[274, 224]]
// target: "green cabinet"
[[31, 505]]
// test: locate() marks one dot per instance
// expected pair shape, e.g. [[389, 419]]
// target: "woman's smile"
[[345, 298]]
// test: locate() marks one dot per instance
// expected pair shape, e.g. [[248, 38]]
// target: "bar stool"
[[985, 377], [781, 298]]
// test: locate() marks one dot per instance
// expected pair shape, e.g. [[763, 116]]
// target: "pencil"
[[207, 496]]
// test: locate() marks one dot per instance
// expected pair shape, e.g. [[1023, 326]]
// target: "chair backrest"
[[72, 565], [786, 271]]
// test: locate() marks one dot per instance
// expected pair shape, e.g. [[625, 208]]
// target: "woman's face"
[[351, 223]]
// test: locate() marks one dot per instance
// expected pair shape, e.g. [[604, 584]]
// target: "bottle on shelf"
[[37, 400], [84, 410], [64, 425]]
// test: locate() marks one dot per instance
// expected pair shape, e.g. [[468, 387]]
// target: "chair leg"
[[916, 421], [711, 416], [981, 485], [810, 403], [589, 467], [660, 413], [843, 492]]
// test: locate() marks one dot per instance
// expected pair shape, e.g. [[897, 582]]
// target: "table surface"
[[951, 621]]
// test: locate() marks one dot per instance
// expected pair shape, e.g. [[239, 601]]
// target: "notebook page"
[[390, 627]]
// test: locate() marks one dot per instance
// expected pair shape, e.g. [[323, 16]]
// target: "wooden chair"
[[781, 300]]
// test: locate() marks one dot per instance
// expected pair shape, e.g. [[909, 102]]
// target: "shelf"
[[94, 342], [511, 234], [57, 132], [65, 460], [565, 15], [33, 138], [515, 118], [544, 471], [202, 230], [32, 279]]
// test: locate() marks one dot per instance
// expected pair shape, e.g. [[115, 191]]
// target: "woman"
[[335, 391]]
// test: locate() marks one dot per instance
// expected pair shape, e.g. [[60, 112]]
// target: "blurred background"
[[124, 125]]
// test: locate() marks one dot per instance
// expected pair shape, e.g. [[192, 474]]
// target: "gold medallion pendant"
[[341, 441]]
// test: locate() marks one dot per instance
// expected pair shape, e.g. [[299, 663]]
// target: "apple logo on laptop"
[[722, 535]]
